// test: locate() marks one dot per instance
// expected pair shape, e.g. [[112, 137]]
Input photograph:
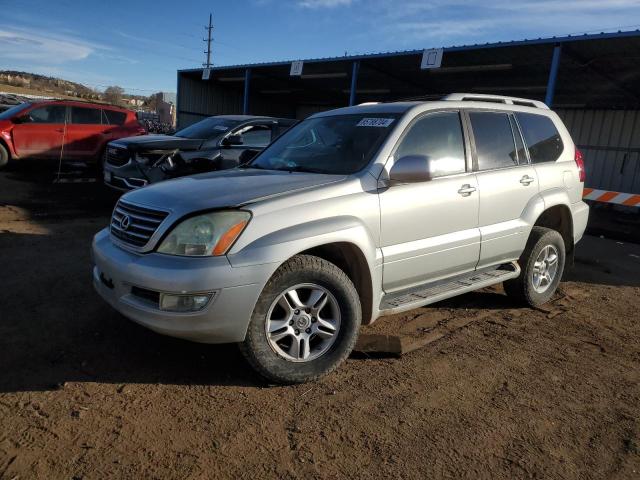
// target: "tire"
[[530, 287], [4, 156], [102, 158], [338, 308]]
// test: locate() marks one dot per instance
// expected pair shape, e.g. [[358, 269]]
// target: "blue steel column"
[[247, 82], [553, 75], [354, 82]]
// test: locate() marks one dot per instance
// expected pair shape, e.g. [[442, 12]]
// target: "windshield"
[[208, 128], [7, 114], [341, 144]]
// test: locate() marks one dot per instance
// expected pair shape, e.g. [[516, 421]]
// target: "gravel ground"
[[502, 391]]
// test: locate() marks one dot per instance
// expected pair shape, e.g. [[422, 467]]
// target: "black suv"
[[215, 143]]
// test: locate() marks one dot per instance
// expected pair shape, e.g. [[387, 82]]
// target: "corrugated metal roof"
[[458, 48]]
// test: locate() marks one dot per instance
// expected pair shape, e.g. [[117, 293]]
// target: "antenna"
[[208, 40]]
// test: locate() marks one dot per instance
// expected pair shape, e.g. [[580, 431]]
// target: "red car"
[[63, 129]]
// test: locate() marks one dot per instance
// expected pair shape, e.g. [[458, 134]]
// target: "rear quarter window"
[[542, 137], [112, 117]]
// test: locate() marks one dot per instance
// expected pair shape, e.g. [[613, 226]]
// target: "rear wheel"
[[4, 156], [542, 264], [305, 323]]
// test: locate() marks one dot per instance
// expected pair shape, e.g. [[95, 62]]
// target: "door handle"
[[466, 190], [59, 130], [526, 180]]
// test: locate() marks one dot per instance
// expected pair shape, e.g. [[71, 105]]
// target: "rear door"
[[86, 135], [507, 184], [41, 132]]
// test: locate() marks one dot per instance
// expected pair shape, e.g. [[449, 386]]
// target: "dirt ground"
[[500, 392]]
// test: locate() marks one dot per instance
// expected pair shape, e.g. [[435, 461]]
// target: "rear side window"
[[85, 116], [48, 114], [495, 146], [542, 137], [111, 117], [439, 137], [256, 135]]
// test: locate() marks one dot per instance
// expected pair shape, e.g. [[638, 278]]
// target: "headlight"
[[209, 234]]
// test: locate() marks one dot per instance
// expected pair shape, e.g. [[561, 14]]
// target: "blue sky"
[[140, 45]]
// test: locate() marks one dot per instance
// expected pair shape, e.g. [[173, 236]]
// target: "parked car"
[[215, 143], [67, 129], [352, 214]]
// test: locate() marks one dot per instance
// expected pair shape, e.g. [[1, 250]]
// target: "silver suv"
[[353, 214]]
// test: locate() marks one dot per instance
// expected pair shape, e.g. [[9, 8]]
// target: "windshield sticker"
[[221, 128], [375, 122]]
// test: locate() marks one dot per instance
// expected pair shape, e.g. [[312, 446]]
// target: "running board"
[[424, 295]]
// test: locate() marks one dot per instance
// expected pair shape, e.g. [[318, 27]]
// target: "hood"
[[226, 188], [158, 142]]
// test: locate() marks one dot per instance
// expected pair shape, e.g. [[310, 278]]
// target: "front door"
[[507, 182], [429, 230], [41, 132]]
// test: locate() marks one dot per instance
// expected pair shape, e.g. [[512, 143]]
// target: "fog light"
[[183, 303]]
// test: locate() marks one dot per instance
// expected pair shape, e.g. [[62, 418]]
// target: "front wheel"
[[542, 264], [305, 322]]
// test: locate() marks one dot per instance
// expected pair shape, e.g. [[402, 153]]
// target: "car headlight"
[[210, 234]]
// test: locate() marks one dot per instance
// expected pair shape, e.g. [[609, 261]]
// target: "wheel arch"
[[349, 258], [558, 217]]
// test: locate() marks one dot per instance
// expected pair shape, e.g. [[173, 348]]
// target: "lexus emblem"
[[125, 221]]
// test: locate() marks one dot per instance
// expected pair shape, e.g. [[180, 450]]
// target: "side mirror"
[[19, 120], [411, 169], [232, 140]]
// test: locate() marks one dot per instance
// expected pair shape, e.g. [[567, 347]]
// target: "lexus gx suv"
[[350, 215]]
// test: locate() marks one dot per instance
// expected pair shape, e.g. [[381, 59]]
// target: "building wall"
[[198, 99], [610, 143]]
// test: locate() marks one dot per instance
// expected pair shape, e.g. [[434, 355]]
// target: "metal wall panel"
[[198, 99], [610, 143]]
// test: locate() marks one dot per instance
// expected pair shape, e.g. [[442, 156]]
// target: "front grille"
[[140, 225], [117, 156]]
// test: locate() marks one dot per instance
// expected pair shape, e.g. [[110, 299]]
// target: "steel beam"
[[247, 85], [553, 75], [354, 81]]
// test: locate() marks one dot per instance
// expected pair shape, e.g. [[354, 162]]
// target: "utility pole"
[[208, 40]]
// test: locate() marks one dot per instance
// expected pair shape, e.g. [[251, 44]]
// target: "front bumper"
[[124, 178], [225, 318]]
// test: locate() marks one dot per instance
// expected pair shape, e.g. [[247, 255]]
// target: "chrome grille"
[[117, 156], [140, 223]]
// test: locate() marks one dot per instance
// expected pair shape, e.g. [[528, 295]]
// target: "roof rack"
[[479, 97]]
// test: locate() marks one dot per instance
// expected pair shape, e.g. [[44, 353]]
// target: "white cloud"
[[34, 46], [324, 3], [413, 23]]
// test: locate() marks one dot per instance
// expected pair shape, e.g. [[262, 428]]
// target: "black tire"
[[303, 269], [4, 156], [523, 288], [102, 158]]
